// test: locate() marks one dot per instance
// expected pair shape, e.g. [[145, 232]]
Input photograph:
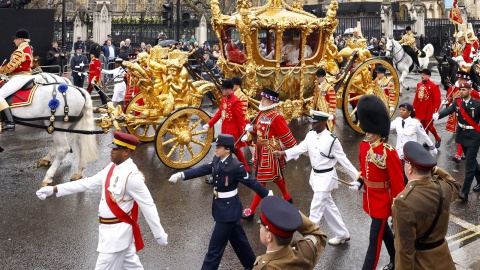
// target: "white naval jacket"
[[116, 237], [120, 87], [316, 143], [412, 130]]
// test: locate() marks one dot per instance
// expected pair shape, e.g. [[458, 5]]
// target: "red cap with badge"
[[124, 140]]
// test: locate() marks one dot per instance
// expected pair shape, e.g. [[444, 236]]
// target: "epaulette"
[[389, 147]]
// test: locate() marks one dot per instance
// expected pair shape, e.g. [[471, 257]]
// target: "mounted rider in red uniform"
[[18, 70]]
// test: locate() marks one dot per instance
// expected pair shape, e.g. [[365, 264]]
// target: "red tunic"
[[427, 100], [233, 117], [270, 129], [466, 53], [475, 46], [20, 61], [94, 70], [452, 118], [475, 94], [377, 202]]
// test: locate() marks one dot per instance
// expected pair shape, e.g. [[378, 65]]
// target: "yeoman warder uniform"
[[123, 193], [381, 170], [226, 205], [421, 214], [283, 219]]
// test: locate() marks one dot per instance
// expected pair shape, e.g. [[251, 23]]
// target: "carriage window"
[[266, 44], [311, 45], [290, 51], [234, 50]]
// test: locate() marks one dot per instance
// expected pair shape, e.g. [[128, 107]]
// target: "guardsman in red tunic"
[[324, 98], [238, 91], [233, 118], [19, 72], [426, 102], [382, 173], [94, 71], [452, 121], [271, 131]]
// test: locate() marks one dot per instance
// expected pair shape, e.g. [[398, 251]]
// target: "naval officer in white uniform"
[[324, 151], [120, 86], [123, 192]]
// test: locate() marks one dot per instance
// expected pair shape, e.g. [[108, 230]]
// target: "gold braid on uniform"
[[371, 156]]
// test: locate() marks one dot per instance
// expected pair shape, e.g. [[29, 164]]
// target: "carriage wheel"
[[355, 89], [144, 133], [181, 141]]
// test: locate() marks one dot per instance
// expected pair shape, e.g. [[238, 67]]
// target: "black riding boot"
[[9, 124]]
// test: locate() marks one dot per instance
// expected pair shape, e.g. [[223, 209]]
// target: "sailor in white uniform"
[[120, 87], [123, 192], [324, 151]]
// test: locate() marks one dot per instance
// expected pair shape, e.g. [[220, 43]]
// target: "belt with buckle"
[[323, 171], [223, 195], [110, 220], [465, 126], [372, 184]]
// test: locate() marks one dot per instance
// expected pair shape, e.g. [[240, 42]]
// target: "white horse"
[[79, 104], [402, 62]]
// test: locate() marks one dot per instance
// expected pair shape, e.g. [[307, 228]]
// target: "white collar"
[[466, 101], [124, 164], [223, 160], [269, 107]]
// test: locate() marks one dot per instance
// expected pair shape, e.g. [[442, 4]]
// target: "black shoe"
[[438, 143], [290, 201], [425, 146], [389, 266], [462, 198], [8, 126], [476, 188], [247, 214]]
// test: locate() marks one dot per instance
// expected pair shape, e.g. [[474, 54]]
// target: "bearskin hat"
[[95, 50], [373, 115]]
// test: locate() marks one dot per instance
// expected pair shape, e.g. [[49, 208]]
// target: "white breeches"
[[126, 259], [13, 85], [323, 204]]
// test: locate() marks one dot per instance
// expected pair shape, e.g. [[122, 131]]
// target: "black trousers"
[[379, 230], [412, 54], [472, 169], [222, 233], [103, 96], [78, 80]]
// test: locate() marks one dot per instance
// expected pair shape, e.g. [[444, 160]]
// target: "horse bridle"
[[392, 52]]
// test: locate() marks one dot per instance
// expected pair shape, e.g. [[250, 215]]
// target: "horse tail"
[[86, 144], [429, 50]]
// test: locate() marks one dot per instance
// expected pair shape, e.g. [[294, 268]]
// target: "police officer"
[[468, 133], [278, 222], [324, 150], [123, 192], [227, 172], [77, 64], [421, 213]]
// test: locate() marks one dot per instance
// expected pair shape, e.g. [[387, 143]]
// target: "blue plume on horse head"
[[53, 103], [62, 88]]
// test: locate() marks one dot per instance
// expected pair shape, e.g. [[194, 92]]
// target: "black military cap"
[[418, 157], [207, 52], [381, 69], [78, 47], [321, 73], [279, 216], [408, 28], [426, 71], [409, 108], [225, 140], [237, 81], [227, 84], [270, 94], [22, 33]]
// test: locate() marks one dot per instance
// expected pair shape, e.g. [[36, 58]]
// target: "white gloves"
[[249, 128], [433, 152], [82, 64], [244, 138], [445, 102], [163, 240], [392, 109], [175, 177], [356, 185], [44, 192], [270, 193], [435, 116], [331, 117], [206, 126]]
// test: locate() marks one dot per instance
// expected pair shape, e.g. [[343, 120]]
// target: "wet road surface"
[[62, 233]]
